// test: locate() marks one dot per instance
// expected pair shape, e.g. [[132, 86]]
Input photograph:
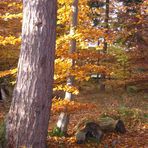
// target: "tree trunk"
[[28, 117], [102, 85], [64, 117]]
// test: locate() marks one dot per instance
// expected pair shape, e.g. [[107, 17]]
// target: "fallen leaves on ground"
[[135, 137]]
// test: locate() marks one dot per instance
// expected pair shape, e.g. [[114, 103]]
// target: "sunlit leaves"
[[11, 16], [9, 40], [10, 30], [63, 14], [63, 105], [67, 88], [8, 72]]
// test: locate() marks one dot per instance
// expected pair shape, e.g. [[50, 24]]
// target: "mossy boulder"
[[94, 128], [88, 130]]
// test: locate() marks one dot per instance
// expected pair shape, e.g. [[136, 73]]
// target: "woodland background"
[[109, 66]]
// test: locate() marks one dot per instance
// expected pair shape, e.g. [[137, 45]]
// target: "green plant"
[[56, 132]]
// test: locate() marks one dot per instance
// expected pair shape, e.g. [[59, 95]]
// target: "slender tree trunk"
[[27, 120], [102, 86], [64, 117]]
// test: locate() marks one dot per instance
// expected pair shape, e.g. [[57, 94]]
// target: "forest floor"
[[132, 108]]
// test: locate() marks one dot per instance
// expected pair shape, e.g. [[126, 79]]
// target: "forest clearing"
[[130, 107]]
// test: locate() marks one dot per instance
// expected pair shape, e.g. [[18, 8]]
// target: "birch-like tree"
[[64, 117]]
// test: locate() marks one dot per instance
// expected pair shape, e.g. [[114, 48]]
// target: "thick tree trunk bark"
[[102, 86], [27, 120], [64, 117]]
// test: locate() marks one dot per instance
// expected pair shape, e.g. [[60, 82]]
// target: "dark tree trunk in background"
[[27, 120], [102, 86]]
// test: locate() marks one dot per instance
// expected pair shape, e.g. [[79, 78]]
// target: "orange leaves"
[[63, 105], [7, 72], [84, 10], [90, 33], [83, 72], [84, 33], [85, 54], [62, 142]]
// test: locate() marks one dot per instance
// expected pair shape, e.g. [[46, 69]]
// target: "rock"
[[120, 127], [80, 137], [90, 130], [94, 128], [110, 125]]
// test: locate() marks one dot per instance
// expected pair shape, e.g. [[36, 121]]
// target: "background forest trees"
[[124, 46], [111, 49]]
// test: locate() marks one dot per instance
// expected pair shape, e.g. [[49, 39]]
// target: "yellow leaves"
[[83, 11], [84, 33], [63, 14], [81, 73], [9, 40], [67, 88], [15, 4], [7, 72], [65, 2], [11, 16], [61, 68], [72, 140]]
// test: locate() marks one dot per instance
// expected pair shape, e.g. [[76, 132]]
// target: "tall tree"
[[64, 117], [102, 86], [27, 120]]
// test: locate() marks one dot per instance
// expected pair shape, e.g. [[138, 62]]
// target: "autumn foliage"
[[124, 64]]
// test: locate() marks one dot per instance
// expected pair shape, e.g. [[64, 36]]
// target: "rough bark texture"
[[64, 117], [27, 120]]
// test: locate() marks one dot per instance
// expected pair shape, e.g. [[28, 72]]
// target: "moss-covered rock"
[[88, 130], [94, 128]]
